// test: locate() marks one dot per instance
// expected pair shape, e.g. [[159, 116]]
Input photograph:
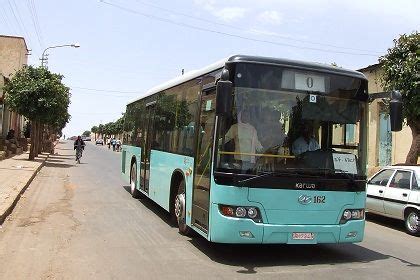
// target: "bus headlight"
[[252, 212], [240, 212], [347, 215], [352, 214], [246, 212]]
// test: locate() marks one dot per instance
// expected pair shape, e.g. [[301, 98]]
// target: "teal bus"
[[254, 150]]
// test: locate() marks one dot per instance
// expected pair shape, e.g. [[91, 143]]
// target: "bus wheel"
[[180, 209], [412, 222], [133, 181]]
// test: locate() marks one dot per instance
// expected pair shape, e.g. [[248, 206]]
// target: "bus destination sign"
[[309, 82]]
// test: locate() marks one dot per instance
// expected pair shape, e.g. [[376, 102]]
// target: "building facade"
[[13, 56], [384, 146]]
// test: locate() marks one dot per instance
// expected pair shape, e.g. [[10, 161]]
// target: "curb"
[[12, 206]]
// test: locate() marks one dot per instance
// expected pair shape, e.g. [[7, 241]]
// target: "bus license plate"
[[303, 235]]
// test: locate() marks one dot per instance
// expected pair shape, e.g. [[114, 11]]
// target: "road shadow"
[[62, 157], [386, 222], [155, 208], [63, 149], [54, 159], [58, 165], [250, 257]]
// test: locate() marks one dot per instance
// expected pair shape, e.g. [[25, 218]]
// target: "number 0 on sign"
[[312, 98], [309, 82]]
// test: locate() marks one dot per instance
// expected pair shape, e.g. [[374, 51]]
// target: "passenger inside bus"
[[306, 142], [245, 139]]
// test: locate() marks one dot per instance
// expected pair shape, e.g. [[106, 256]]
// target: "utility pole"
[[44, 59]]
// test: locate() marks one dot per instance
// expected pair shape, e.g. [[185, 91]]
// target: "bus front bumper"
[[235, 230]]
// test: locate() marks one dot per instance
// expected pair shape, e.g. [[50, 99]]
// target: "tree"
[[41, 97], [95, 130], [108, 129], [86, 133], [401, 66], [119, 125], [101, 130]]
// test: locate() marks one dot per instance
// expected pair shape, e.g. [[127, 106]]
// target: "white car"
[[395, 192]]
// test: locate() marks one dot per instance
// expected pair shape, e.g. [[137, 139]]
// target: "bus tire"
[[412, 222], [180, 209], [135, 193]]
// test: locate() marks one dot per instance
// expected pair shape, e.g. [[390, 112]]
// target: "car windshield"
[[286, 131]]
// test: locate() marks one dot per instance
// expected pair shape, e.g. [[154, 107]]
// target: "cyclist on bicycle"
[[79, 145]]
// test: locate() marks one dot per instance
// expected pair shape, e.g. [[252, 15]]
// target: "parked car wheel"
[[412, 222]]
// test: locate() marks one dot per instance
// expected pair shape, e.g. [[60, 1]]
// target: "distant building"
[[13, 56], [384, 147]]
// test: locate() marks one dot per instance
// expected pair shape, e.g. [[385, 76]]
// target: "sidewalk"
[[16, 173]]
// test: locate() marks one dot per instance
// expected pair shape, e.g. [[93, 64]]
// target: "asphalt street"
[[79, 221]]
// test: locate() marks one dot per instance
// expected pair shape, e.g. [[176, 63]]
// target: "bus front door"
[[145, 151], [202, 172]]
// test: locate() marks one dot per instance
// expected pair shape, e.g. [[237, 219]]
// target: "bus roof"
[[251, 59]]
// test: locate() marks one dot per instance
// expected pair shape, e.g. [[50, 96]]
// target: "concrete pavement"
[[16, 173]]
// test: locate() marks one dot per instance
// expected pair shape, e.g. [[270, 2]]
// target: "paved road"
[[79, 222]]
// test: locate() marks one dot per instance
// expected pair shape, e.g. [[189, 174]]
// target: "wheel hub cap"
[[133, 180], [413, 222], [179, 206]]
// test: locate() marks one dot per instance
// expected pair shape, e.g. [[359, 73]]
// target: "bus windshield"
[[278, 130]]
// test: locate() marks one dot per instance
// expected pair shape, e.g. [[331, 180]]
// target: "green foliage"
[[86, 133], [94, 129], [101, 129], [118, 126], [39, 95], [401, 66]]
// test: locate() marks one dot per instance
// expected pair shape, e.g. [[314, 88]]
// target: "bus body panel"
[[127, 154], [279, 225], [228, 230], [283, 207], [162, 167]]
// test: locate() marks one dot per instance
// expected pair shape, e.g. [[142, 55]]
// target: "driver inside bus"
[[245, 139], [306, 142]]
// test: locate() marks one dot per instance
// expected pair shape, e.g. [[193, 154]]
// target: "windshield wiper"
[[272, 173]]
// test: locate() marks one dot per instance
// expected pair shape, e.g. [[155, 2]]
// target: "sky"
[[130, 46]]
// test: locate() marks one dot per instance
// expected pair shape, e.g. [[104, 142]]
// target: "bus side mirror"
[[223, 98], [395, 112]]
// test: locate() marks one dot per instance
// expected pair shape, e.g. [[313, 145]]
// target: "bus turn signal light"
[[227, 211]]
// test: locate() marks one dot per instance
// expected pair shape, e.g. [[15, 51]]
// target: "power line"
[[16, 19], [10, 22], [4, 19], [229, 34], [37, 22], [252, 31], [34, 18], [22, 24], [109, 93], [107, 90]]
